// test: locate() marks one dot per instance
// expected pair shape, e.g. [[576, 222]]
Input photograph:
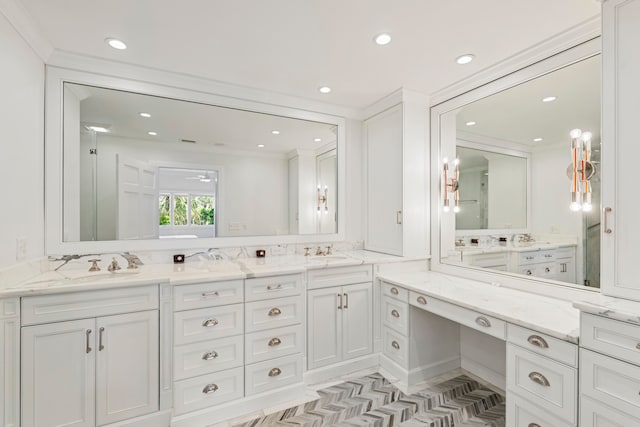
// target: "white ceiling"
[[295, 46]]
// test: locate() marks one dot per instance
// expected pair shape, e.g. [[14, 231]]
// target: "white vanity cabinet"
[[10, 362], [90, 371], [620, 148], [340, 316]]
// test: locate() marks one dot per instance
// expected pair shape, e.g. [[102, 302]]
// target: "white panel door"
[[58, 374], [357, 320], [384, 181], [325, 327], [137, 200], [620, 148], [126, 366]]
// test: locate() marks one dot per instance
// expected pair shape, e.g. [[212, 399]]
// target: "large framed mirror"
[[512, 199], [162, 167]]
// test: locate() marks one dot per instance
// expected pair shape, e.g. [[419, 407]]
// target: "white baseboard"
[[327, 373], [494, 378], [405, 380]]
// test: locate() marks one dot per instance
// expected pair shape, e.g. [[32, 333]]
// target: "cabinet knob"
[[538, 341], [395, 313], [422, 300], [209, 355], [274, 342], [529, 272], [538, 378], [274, 287], [209, 323], [483, 321], [547, 269], [275, 372], [394, 291], [210, 388], [395, 345], [275, 312]]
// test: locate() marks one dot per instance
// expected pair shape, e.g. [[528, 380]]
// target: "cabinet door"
[[620, 148], [566, 270], [126, 366], [325, 327], [357, 320], [384, 181], [58, 374]]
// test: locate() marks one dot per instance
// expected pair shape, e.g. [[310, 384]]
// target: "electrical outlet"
[[21, 248]]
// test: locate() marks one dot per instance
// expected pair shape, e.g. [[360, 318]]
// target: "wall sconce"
[[323, 199], [451, 185], [580, 171]]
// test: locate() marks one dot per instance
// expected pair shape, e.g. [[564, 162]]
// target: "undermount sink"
[[102, 276]]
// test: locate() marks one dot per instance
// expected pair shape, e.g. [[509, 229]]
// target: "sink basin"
[[102, 276], [327, 257]]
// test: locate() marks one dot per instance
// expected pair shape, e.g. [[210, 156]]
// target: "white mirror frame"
[[587, 48], [56, 77]]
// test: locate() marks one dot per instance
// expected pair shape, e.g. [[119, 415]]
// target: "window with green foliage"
[[186, 209], [202, 210]]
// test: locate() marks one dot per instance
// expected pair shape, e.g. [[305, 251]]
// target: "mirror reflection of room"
[[528, 178]]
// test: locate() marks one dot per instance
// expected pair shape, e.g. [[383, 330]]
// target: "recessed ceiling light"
[[145, 115], [549, 99], [537, 139], [465, 59], [275, 132], [472, 123], [116, 44], [382, 39], [260, 145], [96, 128], [324, 89], [317, 140], [152, 133]]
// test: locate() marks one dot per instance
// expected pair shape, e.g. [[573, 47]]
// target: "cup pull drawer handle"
[[210, 294], [275, 372], [538, 378], [395, 345], [394, 291], [274, 342], [209, 355], [483, 321], [395, 313], [422, 300], [274, 287], [533, 425], [538, 341], [209, 323], [210, 388], [275, 312], [638, 346]]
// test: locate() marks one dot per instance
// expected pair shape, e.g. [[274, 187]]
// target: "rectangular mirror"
[[519, 193], [146, 167]]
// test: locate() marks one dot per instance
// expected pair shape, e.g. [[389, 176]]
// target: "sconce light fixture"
[[580, 171], [323, 199], [451, 185]]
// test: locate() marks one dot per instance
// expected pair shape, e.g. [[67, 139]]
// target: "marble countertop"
[[536, 246], [552, 316], [75, 277], [613, 308]]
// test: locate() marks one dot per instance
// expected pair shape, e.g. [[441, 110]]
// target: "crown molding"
[[25, 25]]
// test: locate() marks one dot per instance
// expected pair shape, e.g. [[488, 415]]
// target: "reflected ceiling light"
[[465, 59], [97, 128], [260, 145], [471, 123], [145, 115], [382, 39], [324, 89], [580, 171], [317, 140], [549, 99], [152, 133], [537, 139], [275, 132], [451, 185], [116, 44]]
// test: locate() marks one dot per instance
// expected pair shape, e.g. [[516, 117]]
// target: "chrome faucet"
[[319, 251], [132, 260], [113, 266]]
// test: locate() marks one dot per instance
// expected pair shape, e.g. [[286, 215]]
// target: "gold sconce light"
[[451, 185], [323, 199], [580, 171]]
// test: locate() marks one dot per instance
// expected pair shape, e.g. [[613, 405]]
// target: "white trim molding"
[[24, 24]]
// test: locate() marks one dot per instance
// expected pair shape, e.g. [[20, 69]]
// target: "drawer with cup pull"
[[201, 358], [272, 343], [207, 390], [207, 323], [201, 295], [395, 346], [557, 349], [273, 287], [473, 319], [395, 292], [275, 313], [274, 373], [542, 381], [522, 413], [613, 337], [595, 414], [395, 314]]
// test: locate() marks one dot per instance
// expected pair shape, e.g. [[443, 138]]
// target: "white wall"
[[22, 159]]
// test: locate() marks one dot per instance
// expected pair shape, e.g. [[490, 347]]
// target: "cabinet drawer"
[[395, 347], [474, 320], [543, 381], [273, 343], [595, 414], [273, 287], [338, 276], [544, 269], [486, 260], [82, 305], [207, 390], [522, 413], [546, 345], [188, 297], [207, 357], [565, 252], [271, 374], [396, 315], [395, 292], [610, 381], [618, 339], [528, 257], [261, 315], [207, 324]]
